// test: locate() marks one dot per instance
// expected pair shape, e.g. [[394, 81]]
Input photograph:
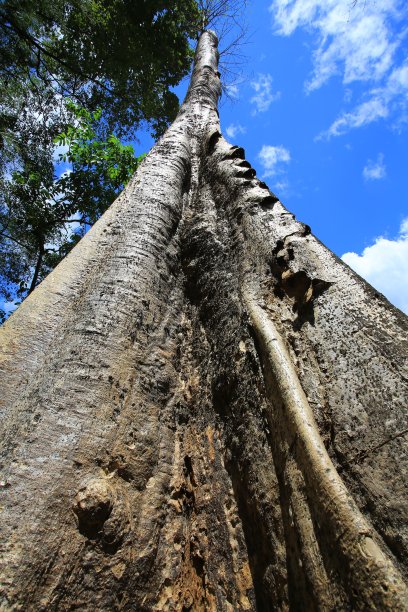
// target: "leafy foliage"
[[101, 164], [119, 55], [39, 210], [81, 74]]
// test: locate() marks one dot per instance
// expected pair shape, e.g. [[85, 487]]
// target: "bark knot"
[[93, 506]]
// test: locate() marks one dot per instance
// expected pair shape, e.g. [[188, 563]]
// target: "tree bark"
[[202, 407]]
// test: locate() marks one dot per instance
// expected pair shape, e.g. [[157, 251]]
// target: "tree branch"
[[14, 240], [37, 269]]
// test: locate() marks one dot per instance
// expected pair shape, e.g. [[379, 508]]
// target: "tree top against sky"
[[120, 56], [93, 70], [321, 110]]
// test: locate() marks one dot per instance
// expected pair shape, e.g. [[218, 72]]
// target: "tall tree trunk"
[[202, 407]]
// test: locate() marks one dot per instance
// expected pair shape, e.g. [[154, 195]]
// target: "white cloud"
[[66, 172], [264, 95], [365, 113], [348, 94], [232, 91], [375, 170], [59, 150], [272, 159], [385, 266], [357, 42], [281, 187], [235, 128]]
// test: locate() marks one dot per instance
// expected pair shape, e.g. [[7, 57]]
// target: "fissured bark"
[[202, 407]]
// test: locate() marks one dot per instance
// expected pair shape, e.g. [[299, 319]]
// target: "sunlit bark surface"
[[202, 407]]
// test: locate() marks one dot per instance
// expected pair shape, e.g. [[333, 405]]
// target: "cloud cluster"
[[385, 266], [358, 42], [389, 100], [233, 129], [375, 170], [232, 91], [264, 96], [273, 160]]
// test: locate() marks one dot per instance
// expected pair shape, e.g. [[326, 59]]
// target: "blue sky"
[[321, 108]]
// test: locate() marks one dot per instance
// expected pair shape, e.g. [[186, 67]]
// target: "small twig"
[[14, 240]]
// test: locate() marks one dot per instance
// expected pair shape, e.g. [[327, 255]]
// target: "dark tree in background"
[[193, 404]]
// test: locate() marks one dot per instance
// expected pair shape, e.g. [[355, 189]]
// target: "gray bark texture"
[[202, 407]]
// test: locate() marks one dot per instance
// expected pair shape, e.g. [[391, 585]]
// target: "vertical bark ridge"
[[371, 578], [181, 394]]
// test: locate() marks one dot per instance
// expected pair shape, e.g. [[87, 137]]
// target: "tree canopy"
[[43, 215], [119, 55], [79, 75]]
